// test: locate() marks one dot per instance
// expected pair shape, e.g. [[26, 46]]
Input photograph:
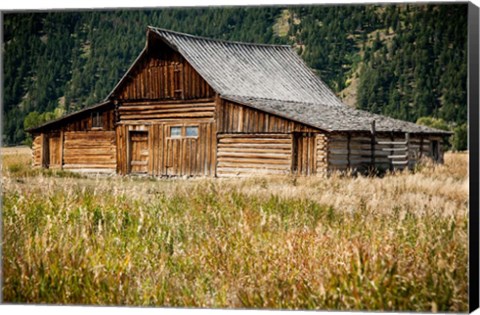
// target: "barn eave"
[[68, 116]]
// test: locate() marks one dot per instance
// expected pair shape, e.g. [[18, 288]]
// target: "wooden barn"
[[193, 106]]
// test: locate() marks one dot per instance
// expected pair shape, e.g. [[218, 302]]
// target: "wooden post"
[[392, 152], [421, 147], [372, 131], [62, 140], [348, 149], [407, 141], [294, 168]]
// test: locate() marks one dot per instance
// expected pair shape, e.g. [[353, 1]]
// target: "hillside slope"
[[403, 61]]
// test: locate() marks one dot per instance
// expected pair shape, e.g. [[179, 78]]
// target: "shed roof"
[[332, 118], [70, 115]]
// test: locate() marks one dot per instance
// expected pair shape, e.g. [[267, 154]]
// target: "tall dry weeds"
[[350, 243]]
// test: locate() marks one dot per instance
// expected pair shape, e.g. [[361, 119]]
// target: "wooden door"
[[138, 152], [304, 153], [55, 151]]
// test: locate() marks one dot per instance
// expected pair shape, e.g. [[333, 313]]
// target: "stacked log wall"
[[37, 150], [90, 151], [247, 155], [161, 111], [322, 153]]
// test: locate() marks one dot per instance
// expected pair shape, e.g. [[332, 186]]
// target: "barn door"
[[181, 151], [138, 163], [303, 153]]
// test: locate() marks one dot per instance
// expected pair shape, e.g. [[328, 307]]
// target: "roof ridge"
[[154, 28]]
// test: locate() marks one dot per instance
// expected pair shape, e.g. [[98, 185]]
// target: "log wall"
[[37, 150], [91, 150], [236, 118], [166, 111], [322, 154], [246, 155]]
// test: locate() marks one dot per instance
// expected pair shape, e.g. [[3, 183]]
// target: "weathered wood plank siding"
[[171, 156], [92, 150], [188, 155], [304, 153], [85, 121], [241, 127], [236, 118], [163, 92], [163, 74], [121, 134], [246, 155]]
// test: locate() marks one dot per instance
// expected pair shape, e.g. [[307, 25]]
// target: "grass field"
[[348, 243]]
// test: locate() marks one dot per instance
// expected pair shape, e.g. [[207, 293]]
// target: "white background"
[[85, 4]]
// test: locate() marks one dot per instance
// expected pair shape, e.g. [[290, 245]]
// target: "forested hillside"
[[404, 61]]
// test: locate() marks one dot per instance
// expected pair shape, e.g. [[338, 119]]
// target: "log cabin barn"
[[194, 106]]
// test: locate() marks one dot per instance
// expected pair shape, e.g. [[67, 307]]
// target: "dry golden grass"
[[15, 158], [350, 243]]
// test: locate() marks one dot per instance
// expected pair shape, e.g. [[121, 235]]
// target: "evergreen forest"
[[406, 61]]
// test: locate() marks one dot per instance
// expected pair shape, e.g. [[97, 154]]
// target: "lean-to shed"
[[196, 106]]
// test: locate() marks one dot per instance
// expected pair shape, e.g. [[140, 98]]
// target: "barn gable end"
[[166, 114], [161, 73]]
